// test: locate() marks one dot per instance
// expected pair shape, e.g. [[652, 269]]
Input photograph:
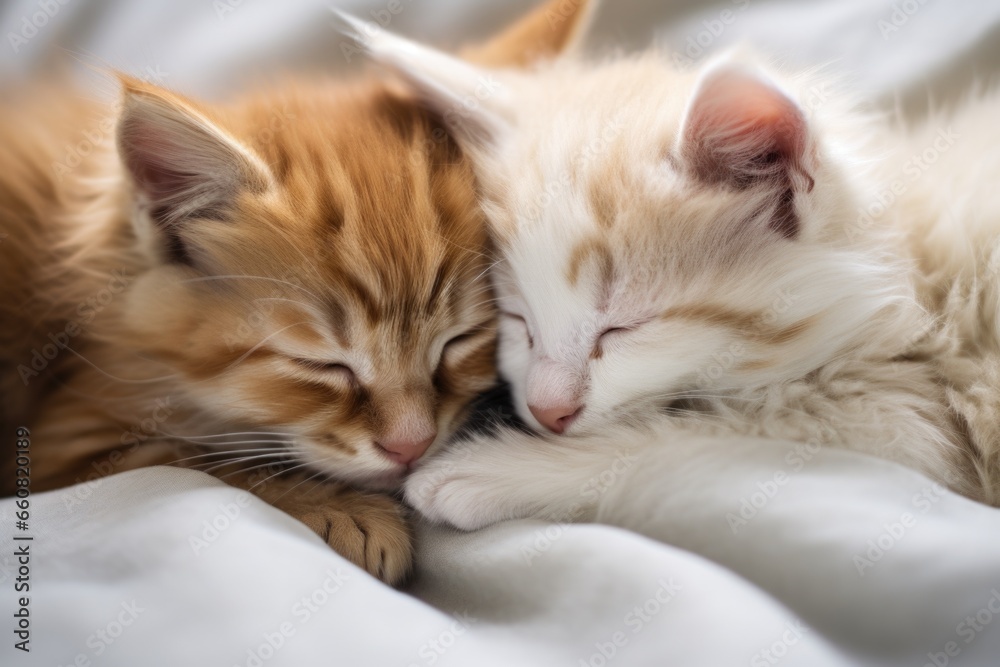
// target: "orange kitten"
[[295, 282]]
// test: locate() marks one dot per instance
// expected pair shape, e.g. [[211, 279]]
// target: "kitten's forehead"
[[381, 240], [577, 114], [586, 140], [594, 193]]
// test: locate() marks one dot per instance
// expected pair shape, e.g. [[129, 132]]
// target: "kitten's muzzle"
[[404, 450], [556, 418], [554, 394]]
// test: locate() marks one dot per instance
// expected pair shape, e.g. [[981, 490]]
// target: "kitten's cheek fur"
[[514, 360], [365, 468]]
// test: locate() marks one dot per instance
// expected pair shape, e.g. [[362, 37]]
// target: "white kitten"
[[717, 241]]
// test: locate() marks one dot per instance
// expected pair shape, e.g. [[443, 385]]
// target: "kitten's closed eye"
[[332, 368], [457, 341], [611, 335], [612, 331], [461, 345], [524, 322]]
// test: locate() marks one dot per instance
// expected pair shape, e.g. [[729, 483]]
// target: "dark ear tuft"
[[785, 220]]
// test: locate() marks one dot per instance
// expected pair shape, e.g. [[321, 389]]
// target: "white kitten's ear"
[[183, 165], [741, 129], [472, 102]]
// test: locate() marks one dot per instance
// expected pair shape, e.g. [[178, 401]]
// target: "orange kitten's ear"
[[741, 127], [556, 27], [182, 164]]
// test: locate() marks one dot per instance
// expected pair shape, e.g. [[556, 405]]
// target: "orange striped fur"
[[323, 290]]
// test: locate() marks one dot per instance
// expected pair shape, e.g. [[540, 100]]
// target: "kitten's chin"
[[361, 472], [389, 482]]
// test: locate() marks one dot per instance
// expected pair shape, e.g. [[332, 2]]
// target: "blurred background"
[[903, 52]]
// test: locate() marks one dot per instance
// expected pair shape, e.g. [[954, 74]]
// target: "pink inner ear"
[[740, 128], [156, 160]]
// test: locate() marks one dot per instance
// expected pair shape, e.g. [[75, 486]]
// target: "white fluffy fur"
[[898, 356]]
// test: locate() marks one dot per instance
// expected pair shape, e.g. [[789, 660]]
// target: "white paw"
[[456, 489]]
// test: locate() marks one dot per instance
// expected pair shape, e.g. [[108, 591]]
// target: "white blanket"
[[834, 560]]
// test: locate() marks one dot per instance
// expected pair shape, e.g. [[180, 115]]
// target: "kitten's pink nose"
[[404, 450], [556, 418]]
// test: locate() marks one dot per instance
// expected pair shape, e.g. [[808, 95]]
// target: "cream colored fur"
[[664, 302]]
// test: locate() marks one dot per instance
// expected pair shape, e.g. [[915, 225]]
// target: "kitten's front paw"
[[455, 490], [370, 530]]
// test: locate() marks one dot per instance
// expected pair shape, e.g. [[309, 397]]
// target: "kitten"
[[690, 254], [289, 290]]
